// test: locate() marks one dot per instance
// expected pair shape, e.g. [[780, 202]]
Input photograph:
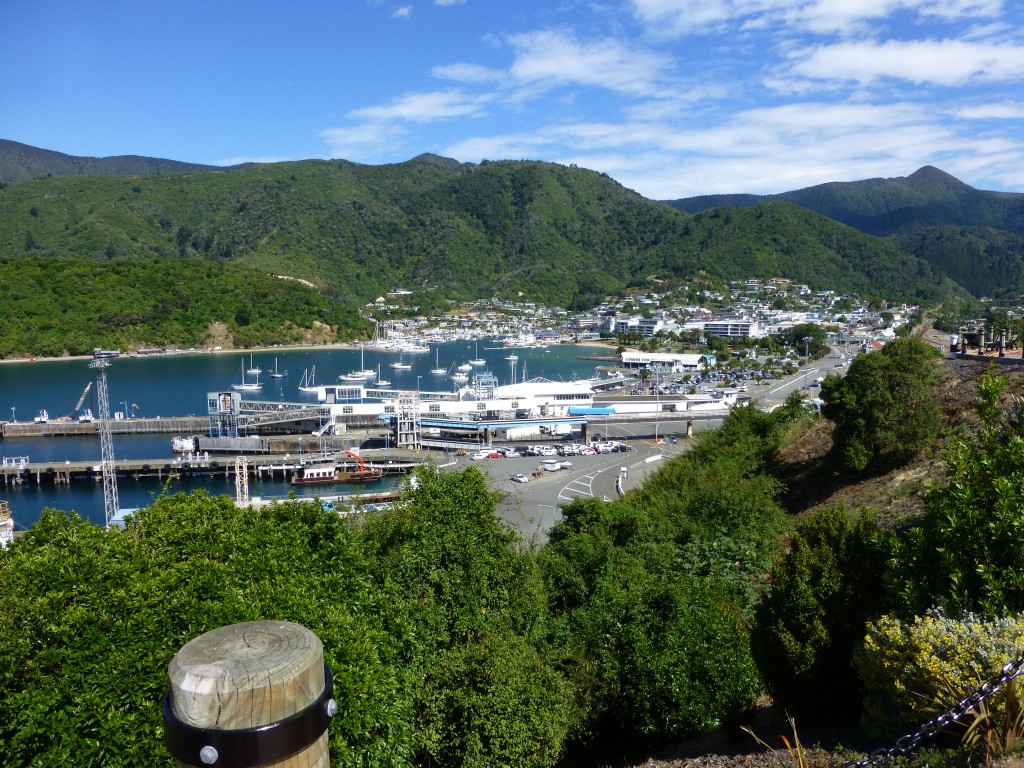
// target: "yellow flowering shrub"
[[913, 670]]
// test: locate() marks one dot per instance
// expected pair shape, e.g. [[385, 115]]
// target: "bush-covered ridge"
[[975, 237], [547, 233]]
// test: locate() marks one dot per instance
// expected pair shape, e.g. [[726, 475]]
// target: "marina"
[[156, 398]]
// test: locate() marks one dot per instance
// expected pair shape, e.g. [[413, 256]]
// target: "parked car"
[[511, 453], [478, 455], [495, 455], [520, 479]]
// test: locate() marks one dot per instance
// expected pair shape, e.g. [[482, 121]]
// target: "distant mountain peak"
[[930, 175], [430, 157]]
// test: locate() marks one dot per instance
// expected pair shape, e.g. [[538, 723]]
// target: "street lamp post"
[[807, 341], [418, 383], [12, 414]]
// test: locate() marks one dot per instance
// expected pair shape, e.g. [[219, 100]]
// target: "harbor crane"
[[108, 467], [78, 405]]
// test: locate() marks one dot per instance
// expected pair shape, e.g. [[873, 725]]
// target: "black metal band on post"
[[246, 747]]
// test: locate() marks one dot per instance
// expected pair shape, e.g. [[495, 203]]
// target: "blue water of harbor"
[[177, 385]]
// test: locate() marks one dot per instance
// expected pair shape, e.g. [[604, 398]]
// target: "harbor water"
[[177, 385]]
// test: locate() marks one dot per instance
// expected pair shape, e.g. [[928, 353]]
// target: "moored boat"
[[308, 383]]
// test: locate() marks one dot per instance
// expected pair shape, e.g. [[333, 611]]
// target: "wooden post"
[[244, 676]]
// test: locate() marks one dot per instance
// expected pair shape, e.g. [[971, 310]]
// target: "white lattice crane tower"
[[241, 481], [109, 470]]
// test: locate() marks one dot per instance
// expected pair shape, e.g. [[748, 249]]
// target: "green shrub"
[[494, 702], [823, 590], [966, 553], [912, 670]]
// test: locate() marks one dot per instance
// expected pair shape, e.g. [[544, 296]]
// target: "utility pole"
[[111, 505]]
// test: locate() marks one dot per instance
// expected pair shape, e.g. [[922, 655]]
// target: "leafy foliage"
[[914, 668], [965, 553], [90, 619], [824, 589], [468, 601], [884, 409], [53, 307]]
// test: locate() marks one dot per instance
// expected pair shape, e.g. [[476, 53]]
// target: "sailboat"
[[247, 386], [366, 373], [381, 382], [478, 360], [437, 370], [278, 374], [252, 367], [308, 383], [401, 366]]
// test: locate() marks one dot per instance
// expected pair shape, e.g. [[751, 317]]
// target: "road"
[[535, 506]]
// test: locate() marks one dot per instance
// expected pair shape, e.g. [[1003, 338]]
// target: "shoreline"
[[349, 345]]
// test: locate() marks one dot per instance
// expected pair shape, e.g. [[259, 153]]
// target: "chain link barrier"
[[908, 743]]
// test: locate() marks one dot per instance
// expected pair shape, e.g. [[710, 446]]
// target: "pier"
[[57, 428], [19, 470]]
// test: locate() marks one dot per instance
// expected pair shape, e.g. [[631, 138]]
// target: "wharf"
[[279, 466], [186, 424]]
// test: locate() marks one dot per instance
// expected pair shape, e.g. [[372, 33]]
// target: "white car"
[[478, 456], [520, 479]]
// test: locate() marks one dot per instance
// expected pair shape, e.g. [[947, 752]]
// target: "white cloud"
[[684, 17], [467, 73], [938, 62], [448, 3], [402, 12], [423, 107], [1011, 110], [365, 142], [549, 57]]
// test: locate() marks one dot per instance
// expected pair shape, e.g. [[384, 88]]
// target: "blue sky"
[[672, 98]]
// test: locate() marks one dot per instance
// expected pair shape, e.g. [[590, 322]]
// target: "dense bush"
[[90, 619], [966, 553], [468, 602], [884, 409], [912, 670], [660, 655], [824, 588]]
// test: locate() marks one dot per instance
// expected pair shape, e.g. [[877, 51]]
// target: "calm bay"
[[176, 385]]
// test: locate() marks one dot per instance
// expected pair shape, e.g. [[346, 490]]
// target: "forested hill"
[[974, 236], [20, 162], [545, 232]]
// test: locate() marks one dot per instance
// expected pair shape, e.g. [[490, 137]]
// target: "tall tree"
[[884, 409]]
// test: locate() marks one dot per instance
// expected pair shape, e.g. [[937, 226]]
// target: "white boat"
[[308, 383], [437, 370], [478, 360], [364, 372], [512, 357], [247, 386], [42, 418], [465, 368], [253, 369], [381, 381], [276, 373], [401, 366], [460, 376]]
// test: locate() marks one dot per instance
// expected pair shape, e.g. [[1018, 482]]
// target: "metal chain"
[[908, 743]]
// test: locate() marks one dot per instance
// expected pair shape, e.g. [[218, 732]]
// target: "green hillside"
[[974, 236], [20, 162], [551, 234]]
